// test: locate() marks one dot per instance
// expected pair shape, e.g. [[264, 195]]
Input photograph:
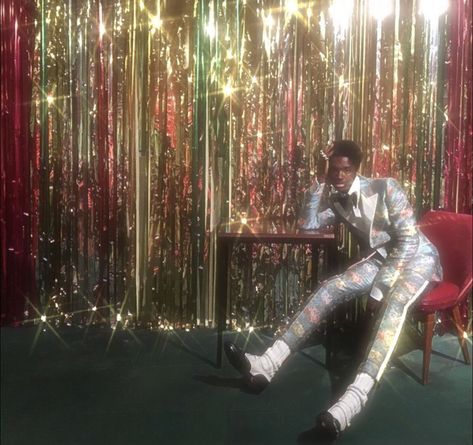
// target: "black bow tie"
[[346, 200]]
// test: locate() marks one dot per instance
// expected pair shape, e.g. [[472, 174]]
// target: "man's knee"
[[406, 290]]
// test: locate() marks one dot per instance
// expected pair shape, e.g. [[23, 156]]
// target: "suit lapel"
[[374, 212], [369, 207], [368, 202], [369, 199]]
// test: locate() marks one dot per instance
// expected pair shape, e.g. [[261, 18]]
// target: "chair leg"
[[428, 334], [460, 333]]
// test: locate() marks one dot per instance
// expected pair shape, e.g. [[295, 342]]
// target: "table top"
[[273, 230]]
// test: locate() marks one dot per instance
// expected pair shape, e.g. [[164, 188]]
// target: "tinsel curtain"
[[131, 128]]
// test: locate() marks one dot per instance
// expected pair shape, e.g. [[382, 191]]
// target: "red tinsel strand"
[[16, 160]]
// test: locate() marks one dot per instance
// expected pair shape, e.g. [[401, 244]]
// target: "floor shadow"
[[215, 380], [180, 345], [314, 436], [406, 370], [412, 340], [312, 359], [449, 357], [398, 363]]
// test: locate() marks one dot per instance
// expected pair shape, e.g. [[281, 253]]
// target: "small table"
[[260, 231]]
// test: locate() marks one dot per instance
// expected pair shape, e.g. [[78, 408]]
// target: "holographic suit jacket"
[[387, 222]]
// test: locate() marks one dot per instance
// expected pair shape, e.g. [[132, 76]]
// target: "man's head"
[[344, 161]]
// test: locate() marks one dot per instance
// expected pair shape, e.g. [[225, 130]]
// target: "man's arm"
[[403, 232], [316, 213]]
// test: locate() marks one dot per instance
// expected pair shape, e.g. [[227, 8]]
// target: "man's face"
[[341, 173]]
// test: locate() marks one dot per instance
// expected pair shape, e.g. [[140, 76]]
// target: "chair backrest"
[[451, 233]]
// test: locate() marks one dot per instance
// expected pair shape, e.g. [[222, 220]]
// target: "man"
[[398, 263]]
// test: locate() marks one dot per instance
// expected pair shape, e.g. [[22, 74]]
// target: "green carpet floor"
[[144, 387]]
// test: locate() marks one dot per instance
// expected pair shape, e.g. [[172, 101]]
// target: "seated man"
[[398, 263]]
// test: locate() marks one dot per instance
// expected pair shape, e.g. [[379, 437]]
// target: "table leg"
[[315, 266], [331, 258], [223, 253]]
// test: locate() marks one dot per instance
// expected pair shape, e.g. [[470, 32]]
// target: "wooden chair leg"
[[460, 333], [428, 334]]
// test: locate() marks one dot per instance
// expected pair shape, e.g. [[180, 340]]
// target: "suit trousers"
[[355, 282]]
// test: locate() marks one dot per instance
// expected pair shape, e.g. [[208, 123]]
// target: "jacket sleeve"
[[316, 213], [403, 232]]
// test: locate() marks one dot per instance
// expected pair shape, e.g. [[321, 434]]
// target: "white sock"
[[355, 397], [268, 363]]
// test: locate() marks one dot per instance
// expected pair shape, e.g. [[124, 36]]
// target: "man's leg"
[[407, 290], [354, 282], [396, 304]]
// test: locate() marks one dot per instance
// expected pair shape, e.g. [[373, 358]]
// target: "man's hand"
[[324, 164], [329, 150]]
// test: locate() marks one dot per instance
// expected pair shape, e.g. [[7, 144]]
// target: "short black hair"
[[348, 149]]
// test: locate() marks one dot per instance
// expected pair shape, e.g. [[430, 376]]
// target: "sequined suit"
[[399, 263]]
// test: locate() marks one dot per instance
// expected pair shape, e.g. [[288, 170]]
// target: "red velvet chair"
[[451, 233]]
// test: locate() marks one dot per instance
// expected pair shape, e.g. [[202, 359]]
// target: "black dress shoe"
[[327, 426], [238, 359]]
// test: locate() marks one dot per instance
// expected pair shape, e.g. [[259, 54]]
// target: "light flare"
[[380, 9], [433, 9], [341, 13]]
